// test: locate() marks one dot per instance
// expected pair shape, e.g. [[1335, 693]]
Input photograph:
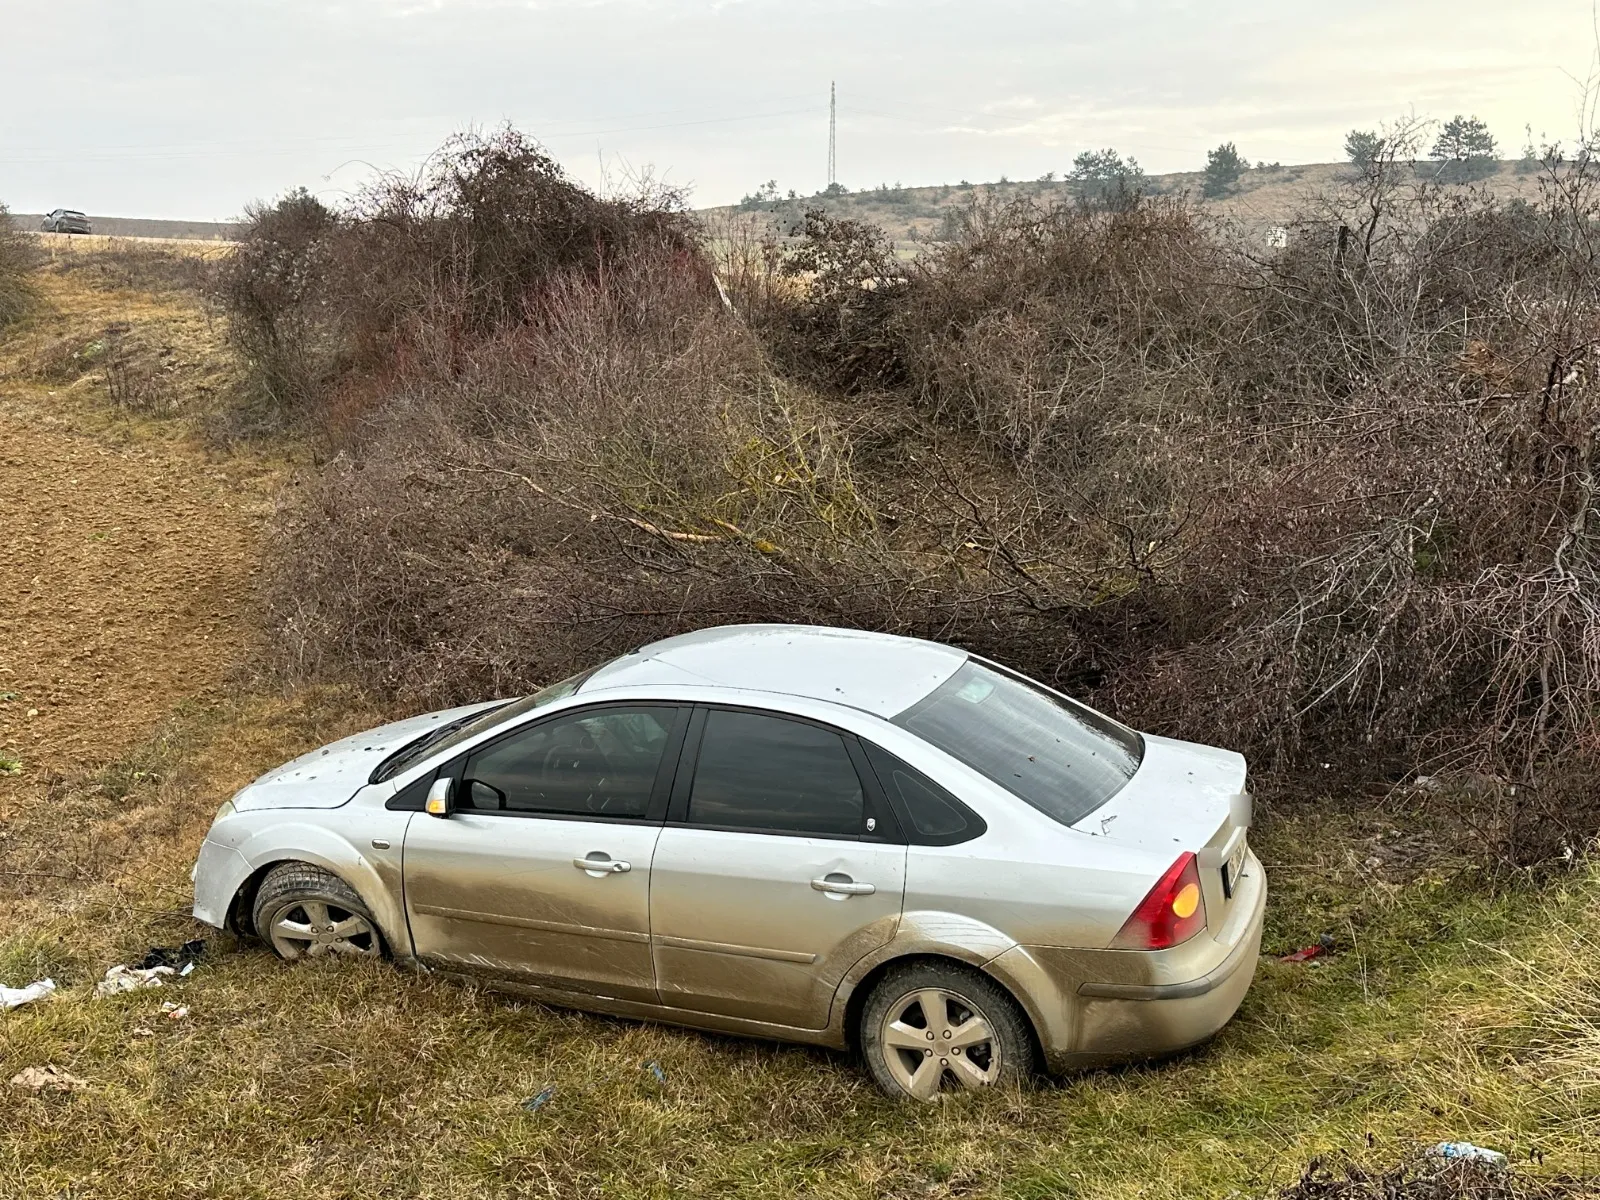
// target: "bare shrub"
[[18, 256], [1041, 322], [135, 372], [419, 267], [832, 330], [273, 289], [1332, 505], [621, 468]]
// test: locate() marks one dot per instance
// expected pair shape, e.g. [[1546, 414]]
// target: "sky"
[[189, 109]]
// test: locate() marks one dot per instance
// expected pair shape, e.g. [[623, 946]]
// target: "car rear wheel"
[[303, 911], [930, 1029]]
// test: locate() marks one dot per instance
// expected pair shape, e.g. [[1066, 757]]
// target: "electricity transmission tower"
[[833, 132]]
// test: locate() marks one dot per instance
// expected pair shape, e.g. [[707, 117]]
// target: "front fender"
[[375, 880]]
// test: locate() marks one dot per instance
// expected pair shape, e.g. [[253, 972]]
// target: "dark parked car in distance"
[[65, 220]]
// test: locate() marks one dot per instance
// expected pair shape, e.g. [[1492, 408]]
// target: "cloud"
[[192, 108]]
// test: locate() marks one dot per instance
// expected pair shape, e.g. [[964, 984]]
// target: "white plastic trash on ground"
[[130, 979], [16, 997], [1467, 1150]]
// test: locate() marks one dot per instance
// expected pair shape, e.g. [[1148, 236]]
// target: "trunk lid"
[[1184, 796]]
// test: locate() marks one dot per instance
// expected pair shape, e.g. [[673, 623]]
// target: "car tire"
[[930, 1029], [302, 911]]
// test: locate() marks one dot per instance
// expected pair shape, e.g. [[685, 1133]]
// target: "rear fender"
[[929, 933]]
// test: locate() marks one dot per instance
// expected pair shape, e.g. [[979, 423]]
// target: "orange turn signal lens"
[[1173, 912], [1186, 901]]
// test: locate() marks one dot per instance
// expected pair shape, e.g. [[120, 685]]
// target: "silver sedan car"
[[815, 835]]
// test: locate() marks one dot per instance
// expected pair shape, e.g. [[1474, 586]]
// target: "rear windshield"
[[1060, 757]]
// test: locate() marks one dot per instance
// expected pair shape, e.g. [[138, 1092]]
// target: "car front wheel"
[[303, 911], [929, 1028]]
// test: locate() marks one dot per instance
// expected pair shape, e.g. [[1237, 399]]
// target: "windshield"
[[466, 728], [1060, 757]]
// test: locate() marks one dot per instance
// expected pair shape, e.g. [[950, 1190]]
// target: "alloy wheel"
[[936, 1040], [315, 928]]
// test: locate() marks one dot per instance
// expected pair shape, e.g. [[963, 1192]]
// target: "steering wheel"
[[582, 752]]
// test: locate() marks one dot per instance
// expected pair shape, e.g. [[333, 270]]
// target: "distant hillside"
[[1263, 197], [141, 227]]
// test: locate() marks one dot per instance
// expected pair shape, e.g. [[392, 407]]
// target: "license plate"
[[1233, 869]]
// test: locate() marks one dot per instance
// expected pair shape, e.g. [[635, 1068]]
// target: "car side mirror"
[[484, 796], [441, 798]]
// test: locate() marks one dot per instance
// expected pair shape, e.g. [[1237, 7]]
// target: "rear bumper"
[[1094, 1007], [1157, 1019], [1243, 956]]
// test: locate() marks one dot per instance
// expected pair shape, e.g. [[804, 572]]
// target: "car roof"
[[876, 672]]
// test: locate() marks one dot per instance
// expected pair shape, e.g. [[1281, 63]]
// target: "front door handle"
[[602, 864], [841, 885]]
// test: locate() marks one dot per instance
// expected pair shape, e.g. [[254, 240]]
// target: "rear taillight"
[[1173, 912]]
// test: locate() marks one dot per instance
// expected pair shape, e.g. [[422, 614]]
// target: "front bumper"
[[218, 874]]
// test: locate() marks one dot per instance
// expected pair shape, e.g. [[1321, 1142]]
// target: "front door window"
[[600, 763]]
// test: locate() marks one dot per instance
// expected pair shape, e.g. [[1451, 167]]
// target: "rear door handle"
[[842, 886], [609, 866]]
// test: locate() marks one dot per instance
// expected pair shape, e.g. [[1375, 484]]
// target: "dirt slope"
[[121, 583], [125, 559], [126, 556]]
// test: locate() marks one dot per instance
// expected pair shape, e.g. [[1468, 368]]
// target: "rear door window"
[[760, 772], [1063, 759]]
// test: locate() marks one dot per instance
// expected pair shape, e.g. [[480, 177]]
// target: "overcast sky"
[[190, 108]]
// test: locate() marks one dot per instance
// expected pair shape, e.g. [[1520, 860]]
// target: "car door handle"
[[613, 866], [842, 887]]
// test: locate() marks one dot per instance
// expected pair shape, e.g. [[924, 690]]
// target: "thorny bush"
[[1330, 504]]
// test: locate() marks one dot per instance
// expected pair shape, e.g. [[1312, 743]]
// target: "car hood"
[[1178, 799], [327, 777]]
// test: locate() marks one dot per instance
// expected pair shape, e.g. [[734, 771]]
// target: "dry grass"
[[373, 1081], [121, 321]]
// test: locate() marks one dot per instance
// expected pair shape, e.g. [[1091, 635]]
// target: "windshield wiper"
[[414, 749]]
